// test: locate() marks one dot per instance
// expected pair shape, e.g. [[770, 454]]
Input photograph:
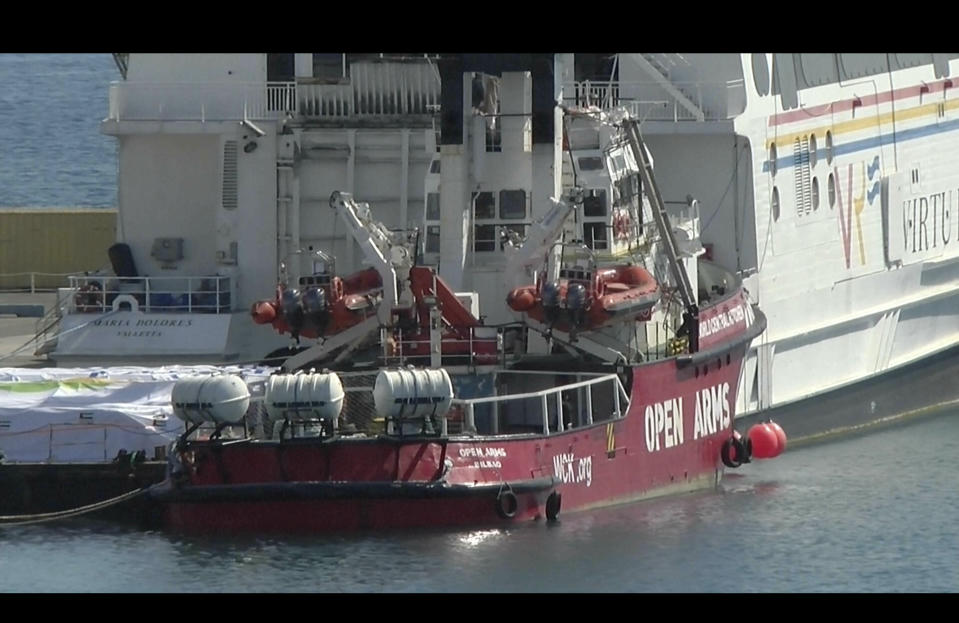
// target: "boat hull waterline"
[[669, 439]]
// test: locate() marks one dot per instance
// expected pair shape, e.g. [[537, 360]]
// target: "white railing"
[[198, 101], [373, 89], [651, 101], [545, 406], [33, 281], [105, 293]]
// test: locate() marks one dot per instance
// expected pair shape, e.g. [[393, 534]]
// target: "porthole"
[[813, 156], [828, 147], [775, 204], [815, 194], [831, 184], [772, 158]]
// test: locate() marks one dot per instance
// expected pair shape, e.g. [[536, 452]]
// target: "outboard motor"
[[292, 311], [550, 302], [576, 304], [315, 308]]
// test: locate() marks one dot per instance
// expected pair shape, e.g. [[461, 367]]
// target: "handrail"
[[178, 294], [619, 396], [652, 100], [33, 289]]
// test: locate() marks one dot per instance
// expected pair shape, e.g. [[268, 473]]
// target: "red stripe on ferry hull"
[[864, 101]]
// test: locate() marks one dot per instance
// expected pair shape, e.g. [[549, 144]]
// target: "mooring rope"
[[19, 520]]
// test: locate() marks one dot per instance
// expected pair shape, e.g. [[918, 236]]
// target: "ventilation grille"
[[803, 181], [229, 175]]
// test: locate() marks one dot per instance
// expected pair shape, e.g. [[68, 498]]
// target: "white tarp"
[[64, 415]]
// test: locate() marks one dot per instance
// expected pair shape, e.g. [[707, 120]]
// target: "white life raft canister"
[[412, 393], [315, 396], [221, 399]]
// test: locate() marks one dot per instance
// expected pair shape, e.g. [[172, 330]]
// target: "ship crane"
[[417, 307], [389, 252], [521, 255]]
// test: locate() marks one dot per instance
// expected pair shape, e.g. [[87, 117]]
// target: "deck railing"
[[546, 411], [651, 101], [188, 294], [372, 90], [33, 281]]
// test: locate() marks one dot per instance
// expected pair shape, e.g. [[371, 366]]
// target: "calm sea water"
[[52, 152], [874, 513]]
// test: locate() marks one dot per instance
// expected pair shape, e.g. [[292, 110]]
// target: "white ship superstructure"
[[826, 180], [829, 181]]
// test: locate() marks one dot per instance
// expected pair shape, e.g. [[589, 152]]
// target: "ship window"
[[590, 163], [328, 66], [594, 203], [775, 204], [627, 187], [512, 204], [280, 68], [772, 159], [828, 148], [494, 137], [815, 193], [484, 205], [813, 151], [831, 189], [435, 166], [761, 73], [484, 238], [432, 206], [518, 228], [433, 239], [596, 235]]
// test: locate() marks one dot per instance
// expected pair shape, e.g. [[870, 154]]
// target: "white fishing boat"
[[824, 180]]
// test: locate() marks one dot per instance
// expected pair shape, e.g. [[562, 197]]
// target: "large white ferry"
[[825, 180]]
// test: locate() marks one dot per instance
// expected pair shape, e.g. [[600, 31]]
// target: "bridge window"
[[594, 203], [512, 204], [484, 205], [433, 239], [432, 206], [329, 66], [590, 163], [484, 238], [596, 235]]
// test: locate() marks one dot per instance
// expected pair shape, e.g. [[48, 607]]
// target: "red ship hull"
[[668, 440]]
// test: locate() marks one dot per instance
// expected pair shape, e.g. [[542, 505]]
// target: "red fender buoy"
[[780, 437], [764, 441]]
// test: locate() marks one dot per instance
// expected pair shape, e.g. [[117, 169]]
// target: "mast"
[[691, 313]]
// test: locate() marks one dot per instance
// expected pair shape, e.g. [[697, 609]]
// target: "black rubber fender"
[[553, 503], [726, 453], [506, 504]]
